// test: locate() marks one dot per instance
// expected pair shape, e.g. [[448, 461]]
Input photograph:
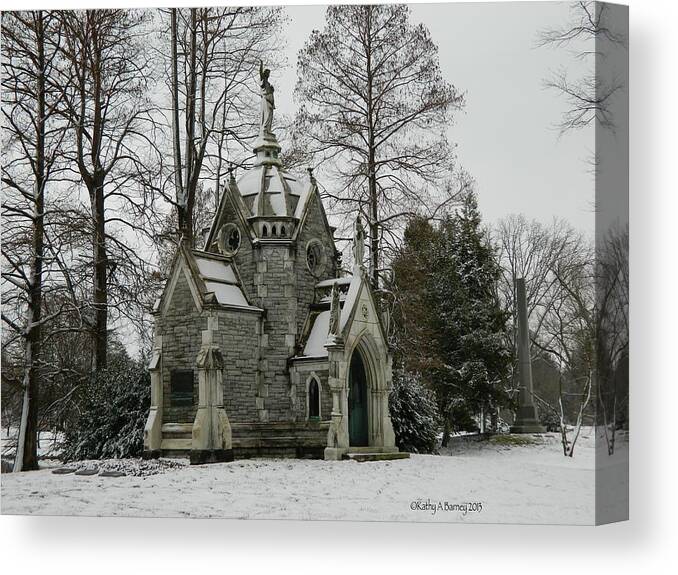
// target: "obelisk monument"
[[527, 420]]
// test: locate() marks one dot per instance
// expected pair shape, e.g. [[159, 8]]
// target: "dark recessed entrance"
[[357, 402]]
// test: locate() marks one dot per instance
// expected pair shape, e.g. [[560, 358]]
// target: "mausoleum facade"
[[262, 347]]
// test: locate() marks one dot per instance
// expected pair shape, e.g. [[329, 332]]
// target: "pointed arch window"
[[316, 259], [313, 399]]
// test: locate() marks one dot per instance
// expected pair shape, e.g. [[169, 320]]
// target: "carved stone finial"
[[334, 312], [231, 171], [310, 174], [358, 244]]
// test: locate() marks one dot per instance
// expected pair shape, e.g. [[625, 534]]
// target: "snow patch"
[[315, 346], [531, 483], [216, 270], [227, 294]]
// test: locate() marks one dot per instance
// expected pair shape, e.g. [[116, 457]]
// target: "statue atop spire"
[[266, 145], [267, 101], [358, 244]]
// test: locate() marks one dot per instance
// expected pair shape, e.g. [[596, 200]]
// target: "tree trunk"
[[371, 162], [446, 433], [26, 458], [176, 134], [374, 223], [100, 277], [186, 224]]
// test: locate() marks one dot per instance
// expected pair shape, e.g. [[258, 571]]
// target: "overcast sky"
[[506, 136]]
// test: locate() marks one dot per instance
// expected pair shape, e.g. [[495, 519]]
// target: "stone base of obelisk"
[[527, 421]]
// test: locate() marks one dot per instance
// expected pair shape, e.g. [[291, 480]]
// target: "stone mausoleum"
[[262, 347]]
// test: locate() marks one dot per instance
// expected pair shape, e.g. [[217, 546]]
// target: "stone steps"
[[363, 456], [176, 437], [372, 449], [175, 444]]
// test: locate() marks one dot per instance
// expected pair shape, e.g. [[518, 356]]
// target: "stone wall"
[[275, 286], [238, 336], [300, 374], [314, 228], [181, 329]]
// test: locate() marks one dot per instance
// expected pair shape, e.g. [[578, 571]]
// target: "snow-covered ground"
[[512, 483]]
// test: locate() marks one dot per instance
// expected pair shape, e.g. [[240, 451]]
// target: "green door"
[[357, 402]]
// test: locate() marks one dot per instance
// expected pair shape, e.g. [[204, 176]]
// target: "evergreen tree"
[[414, 337], [469, 321], [414, 413], [113, 408], [450, 327]]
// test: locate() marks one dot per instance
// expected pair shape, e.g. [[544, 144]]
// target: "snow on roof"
[[220, 278], [351, 298], [250, 182], [227, 294], [277, 202], [315, 345], [330, 282], [215, 269], [304, 193], [276, 188]]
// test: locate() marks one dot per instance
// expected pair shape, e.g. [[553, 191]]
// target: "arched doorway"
[[357, 402]]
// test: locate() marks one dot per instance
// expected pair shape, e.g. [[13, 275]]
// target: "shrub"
[[414, 414], [113, 408], [549, 419]]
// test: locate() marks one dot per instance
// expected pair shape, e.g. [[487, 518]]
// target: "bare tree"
[[375, 106], [556, 262], [569, 336], [532, 250], [612, 302], [32, 141], [588, 97], [104, 79], [213, 55]]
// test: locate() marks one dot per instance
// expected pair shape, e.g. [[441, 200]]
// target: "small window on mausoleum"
[[229, 239], [181, 387], [315, 257]]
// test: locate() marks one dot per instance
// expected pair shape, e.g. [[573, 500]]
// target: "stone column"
[[153, 427], [376, 417], [211, 434], [389, 435], [337, 435], [527, 420]]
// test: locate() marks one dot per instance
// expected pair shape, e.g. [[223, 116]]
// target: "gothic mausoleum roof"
[[268, 191]]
